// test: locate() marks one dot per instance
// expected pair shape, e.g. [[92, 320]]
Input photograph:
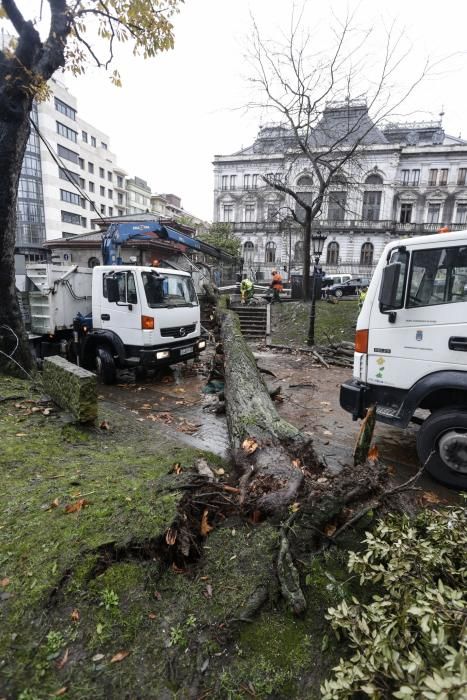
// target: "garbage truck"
[[115, 315], [410, 357]]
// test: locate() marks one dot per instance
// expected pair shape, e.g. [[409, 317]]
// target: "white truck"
[[114, 316], [411, 349]]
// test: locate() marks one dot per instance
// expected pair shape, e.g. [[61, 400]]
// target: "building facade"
[[410, 179]]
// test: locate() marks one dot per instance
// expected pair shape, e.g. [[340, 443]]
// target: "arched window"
[[270, 252], [374, 180], [366, 254], [298, 252], [92, 262], [332, 253], [305, 181], [248, 251], [304, 185], [339, 179]]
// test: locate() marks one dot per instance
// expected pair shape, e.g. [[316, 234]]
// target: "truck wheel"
[[444, 436], [105, 366]]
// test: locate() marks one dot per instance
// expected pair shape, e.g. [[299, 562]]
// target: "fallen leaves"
[[119, 656], [4, 582], [152, 616], [77, 506], [208, 591], [61, 663], [98, 657], [430, 498], [330, 529], [205, 527], [249, 446], [74, 615], [105, 425], [60, 691], [176, 468], [171, 536], [373, 454]]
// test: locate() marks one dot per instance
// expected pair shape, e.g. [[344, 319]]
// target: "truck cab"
[[141, 317], [411, 349]]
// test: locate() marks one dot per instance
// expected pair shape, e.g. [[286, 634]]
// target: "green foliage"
[[55, 642], [109, 599], [410, 640], [221, 236]]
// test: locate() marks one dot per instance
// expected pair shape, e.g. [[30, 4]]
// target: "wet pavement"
[[310, 401]]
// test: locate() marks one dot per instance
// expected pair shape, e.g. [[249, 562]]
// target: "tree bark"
[[269, 453], [306, 255], [15, 107]]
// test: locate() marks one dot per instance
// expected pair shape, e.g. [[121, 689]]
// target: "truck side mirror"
[[390, 296], [112, 289]]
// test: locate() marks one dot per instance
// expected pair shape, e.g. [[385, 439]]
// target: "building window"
[[93, 141], [91, 168], [433, 177], [371, 206], [233, 179], [461, 176], [270, 252], [70, 197], [433, 213], [120, 212], [248, 252], [332, 253], [82, 183], [405, 177], [84, 136], [366, 254], [67, 154], [103, 145], [92, 262], [250, 212], [101, 172], [109, 176], [81, 163], [336, 206], [110, 194], [224, 182], [69, 217], [406, 213], [65, 109], [246, 182], [461, 213], [68, 133], [91, 186], [102, 191], [298, 252], [374, 180], [254, 181], [119, 198], [119, 181], [68, 175], [443, 179], [415, 177], [102, 208], [111, 211], [271, 212], [228, 212]]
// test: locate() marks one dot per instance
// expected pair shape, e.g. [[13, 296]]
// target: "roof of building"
[[346, 123]]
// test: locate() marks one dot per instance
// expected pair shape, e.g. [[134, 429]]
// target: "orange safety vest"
[[277, 282]]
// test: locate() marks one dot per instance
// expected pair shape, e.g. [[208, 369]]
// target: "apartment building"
[[410, 179]]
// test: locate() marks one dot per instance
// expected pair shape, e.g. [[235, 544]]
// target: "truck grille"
[[178, 331]]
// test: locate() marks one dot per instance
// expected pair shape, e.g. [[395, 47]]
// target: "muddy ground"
[[309, 399]]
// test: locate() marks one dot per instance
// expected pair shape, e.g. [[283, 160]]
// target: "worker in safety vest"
[[247, 290], [276, 285], [361, 297]]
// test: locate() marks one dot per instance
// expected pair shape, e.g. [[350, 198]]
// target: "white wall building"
[[412, 179]]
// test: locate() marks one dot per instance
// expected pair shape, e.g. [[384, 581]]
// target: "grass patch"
[[334, 322]]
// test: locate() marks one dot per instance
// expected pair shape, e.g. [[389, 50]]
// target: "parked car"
[[349, 288], [330, 280]]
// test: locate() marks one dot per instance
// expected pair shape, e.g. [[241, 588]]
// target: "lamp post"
[[317, 240]]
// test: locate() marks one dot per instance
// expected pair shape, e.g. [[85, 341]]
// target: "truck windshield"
[[168, 291]]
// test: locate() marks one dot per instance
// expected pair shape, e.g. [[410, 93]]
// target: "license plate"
[[186, 351]]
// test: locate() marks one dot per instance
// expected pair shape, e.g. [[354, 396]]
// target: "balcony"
[[348, 225]]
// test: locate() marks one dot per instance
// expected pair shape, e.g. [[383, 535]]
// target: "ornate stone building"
[[410, 179]]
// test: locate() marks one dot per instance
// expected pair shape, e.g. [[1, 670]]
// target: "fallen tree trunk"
[[270, 453]]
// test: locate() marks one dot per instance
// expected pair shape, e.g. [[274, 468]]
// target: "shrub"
[[410, 641]]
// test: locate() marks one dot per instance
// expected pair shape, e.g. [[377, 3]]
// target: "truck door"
[[123, 317], [429, 333]]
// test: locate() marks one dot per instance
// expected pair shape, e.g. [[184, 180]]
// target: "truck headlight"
[[201, 344], [162, 354]]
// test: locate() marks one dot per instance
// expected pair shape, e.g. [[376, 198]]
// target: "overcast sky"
[[174, 112]]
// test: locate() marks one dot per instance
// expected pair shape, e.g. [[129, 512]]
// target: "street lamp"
[[317, 240]]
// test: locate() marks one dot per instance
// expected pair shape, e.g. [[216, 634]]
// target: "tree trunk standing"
[[270, 453], [14, 133], [306, 254]]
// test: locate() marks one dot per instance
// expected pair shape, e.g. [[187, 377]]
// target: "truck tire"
[[338, 293], [105, 365], [444, 436]]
